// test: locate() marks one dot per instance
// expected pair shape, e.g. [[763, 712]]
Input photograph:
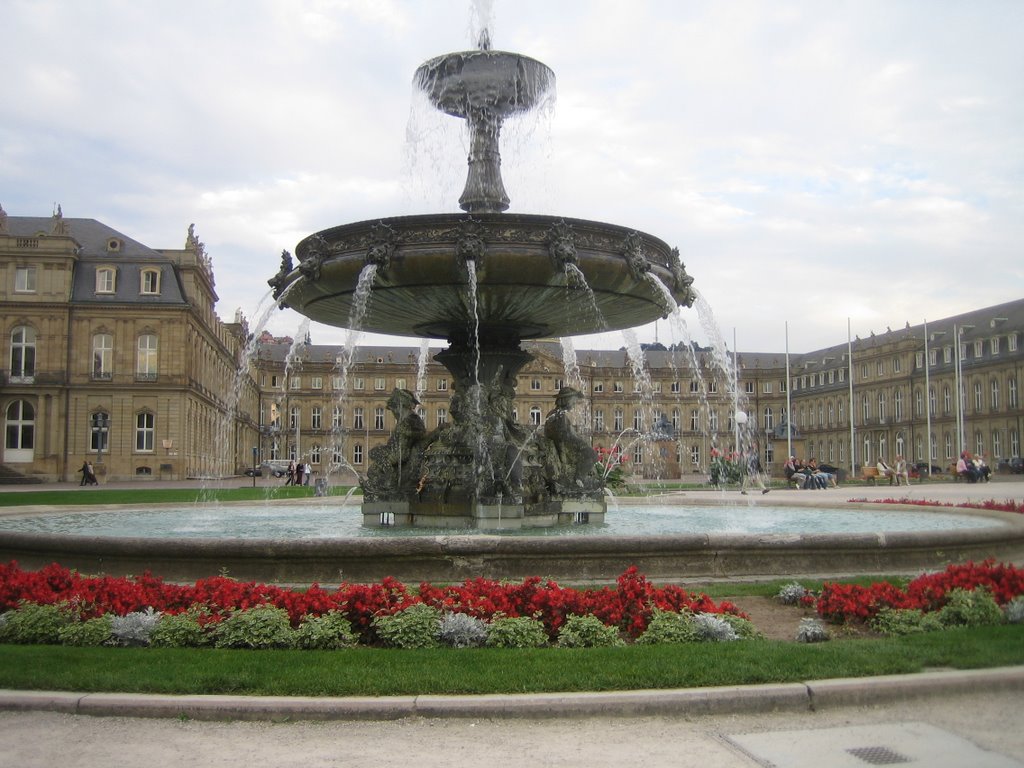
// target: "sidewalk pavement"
[[940, 719]]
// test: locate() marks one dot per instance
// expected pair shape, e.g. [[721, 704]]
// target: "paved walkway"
[[978, 721]]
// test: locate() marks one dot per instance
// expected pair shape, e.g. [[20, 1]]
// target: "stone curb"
[[792, 697]]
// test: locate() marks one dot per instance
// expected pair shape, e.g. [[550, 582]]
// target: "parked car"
[[1012, 466], [275, 467]]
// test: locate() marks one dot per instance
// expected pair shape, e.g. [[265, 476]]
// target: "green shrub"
[[417, 626], [669, 627], [519, 632], [460, 630], [181, 630], [587, 632], [261, 627], [967, 608], [325, 633], [905, 621], [32, 624], [91, 632]]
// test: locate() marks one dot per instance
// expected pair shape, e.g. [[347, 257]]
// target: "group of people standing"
[[810, 475], [298, 473], [973, 468]]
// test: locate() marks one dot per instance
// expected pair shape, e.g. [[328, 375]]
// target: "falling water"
[[474, 313], [481, 20], [570, 364], [360, 303], [679, 330], [264, 309], [720, 358], [577, 281], [484, 466], [421, 368], [637, 363]]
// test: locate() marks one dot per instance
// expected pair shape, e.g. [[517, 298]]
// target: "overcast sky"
[[813, 161]]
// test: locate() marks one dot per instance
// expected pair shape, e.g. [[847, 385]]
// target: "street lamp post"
[[100, 427]]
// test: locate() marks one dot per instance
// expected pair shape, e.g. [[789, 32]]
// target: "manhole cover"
[[878, 755]]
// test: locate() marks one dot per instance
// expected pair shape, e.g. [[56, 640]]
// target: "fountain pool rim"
[[574, 559]]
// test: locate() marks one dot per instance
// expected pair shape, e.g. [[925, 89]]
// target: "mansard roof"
[[102, 245]]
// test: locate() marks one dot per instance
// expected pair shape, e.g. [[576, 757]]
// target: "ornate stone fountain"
[[483, 280]]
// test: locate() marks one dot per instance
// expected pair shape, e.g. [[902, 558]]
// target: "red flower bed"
[[996, 506], [628, 606], [848, 602]]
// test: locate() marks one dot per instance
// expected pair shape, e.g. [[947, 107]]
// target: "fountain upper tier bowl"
[[535, 276], [497, 83]]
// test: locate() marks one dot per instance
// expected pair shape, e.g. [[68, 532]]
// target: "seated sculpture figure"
[[571, 458], [395, 466]]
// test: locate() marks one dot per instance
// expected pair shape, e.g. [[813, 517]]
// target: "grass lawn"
[[378, 672]]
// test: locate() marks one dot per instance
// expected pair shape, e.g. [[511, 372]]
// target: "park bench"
[[872, 475]]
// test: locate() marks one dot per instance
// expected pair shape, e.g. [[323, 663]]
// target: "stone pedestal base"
[[480, 516]]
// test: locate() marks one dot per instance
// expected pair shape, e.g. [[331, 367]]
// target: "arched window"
[[535, 416], [20, 430], [102, 356], [23, 355]]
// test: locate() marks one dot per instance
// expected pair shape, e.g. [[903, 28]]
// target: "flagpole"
[[927, 397], [849, 362], [789, 404]]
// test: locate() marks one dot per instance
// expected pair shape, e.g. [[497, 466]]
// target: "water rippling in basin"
[[284, 521]]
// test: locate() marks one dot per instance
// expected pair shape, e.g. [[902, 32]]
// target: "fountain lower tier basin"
[[567, 558], [536, 276], [483, 517]]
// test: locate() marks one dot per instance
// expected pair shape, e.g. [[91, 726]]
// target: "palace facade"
[[113, 353]]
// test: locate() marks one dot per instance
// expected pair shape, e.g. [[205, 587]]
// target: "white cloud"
[[769, 141]]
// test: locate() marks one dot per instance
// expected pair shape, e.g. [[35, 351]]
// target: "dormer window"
[[150, 282], [106, 279], [114, 245]]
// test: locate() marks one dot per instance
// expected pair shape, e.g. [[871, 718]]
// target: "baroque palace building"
[[114, 353]]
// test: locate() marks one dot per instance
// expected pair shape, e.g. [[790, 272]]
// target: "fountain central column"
[[474, 464]]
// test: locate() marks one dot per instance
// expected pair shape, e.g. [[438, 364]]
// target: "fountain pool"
[[312, 542], [326, 521]]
